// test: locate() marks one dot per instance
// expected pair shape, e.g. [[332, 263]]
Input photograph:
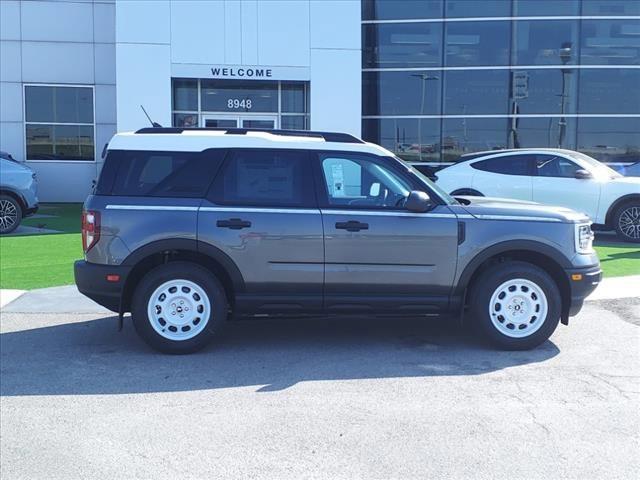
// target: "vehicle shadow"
[[91, 357]]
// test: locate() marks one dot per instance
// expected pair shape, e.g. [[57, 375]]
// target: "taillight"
[[90, 229]]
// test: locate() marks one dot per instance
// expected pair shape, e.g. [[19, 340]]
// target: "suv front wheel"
[[515, 305], [179, 307], [626, 221]]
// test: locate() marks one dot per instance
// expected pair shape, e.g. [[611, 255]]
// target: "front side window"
[[164, 174], [353, 181], [550, 166], [265, 178], [508, 165], [59, 122]]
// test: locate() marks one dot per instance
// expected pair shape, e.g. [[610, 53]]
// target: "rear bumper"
[[91, 280], [582, 281]]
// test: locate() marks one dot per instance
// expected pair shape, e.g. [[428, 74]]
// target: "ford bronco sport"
[[190, 227]]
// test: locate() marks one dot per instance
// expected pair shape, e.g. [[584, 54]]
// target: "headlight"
[[584, 238]]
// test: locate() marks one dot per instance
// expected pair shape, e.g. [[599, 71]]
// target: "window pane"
[[401, 93], [509, 165], [610, 139], [525, 8], [545, 42], [166, 174], [541, 90], [474, 8], [609, 91], [293, 98], [402, 45], [39, 104], [254, 123], [542, 132], [464, 135], [610, 42], [476, 92], [412, 139], [293, 122], [226, 96], [355, 182], [401, 9], [185, 94], [610, 7], [73, 105], [477, 43], [548, 166], [40, 142], [85, 138], [266, 178], [67, 141], [185, 119]]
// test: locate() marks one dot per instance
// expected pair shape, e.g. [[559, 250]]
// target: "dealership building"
[[428, 79]]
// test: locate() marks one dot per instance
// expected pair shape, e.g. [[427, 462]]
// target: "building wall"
[[57, 42], [313, 40]]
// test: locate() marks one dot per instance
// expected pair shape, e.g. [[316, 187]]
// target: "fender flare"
[[506, 246], [190, 245]]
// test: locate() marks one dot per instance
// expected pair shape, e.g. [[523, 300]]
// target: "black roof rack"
[[327, 136]]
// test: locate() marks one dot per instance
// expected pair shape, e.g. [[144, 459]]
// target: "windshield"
[[449, 200], [598, 168]]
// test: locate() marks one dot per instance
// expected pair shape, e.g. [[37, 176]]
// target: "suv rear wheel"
[[515, 305], [10, 214], [179, 307], [626, 221]]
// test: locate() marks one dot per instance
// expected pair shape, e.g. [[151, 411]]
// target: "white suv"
[[554, 177]]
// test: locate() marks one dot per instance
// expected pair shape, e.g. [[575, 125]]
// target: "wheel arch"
[[15, 195], [535, 253], [615, 205], [170, 250]]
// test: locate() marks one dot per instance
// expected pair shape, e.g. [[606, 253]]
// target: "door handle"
[[352, 226], [233, 223]]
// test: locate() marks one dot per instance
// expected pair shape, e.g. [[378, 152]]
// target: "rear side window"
[[509, 165], [265, 178], [162, 174]]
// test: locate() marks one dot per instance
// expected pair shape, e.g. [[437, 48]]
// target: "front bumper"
[[91, 280], [582, 281]]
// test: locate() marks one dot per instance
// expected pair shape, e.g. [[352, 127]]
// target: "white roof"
[[198, 140]]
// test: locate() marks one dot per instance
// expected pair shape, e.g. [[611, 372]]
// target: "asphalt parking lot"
[[359, 398]]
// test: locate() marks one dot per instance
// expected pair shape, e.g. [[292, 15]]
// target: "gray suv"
[[188, 228]]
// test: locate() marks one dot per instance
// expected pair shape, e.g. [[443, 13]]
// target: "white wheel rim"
[[179, 310], [518, 308], [8, 215], [629, 222]]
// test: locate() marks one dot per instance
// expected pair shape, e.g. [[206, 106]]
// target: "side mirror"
[[583, 174], [418, 202]]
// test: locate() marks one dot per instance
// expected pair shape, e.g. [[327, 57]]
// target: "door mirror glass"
[[374, 190], [583, 174], [418, 202]]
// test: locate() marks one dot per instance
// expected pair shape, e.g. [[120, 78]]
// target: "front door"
[[262, 213], [556, 184], [379, 256]]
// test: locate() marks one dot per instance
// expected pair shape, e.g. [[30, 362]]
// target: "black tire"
[[480, 304], [628, 212], [205, 281], [10, 214], [468, 192]]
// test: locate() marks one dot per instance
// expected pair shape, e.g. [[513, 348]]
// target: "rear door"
[[379, 256], [261, 212], [506, 176], [556, 184]]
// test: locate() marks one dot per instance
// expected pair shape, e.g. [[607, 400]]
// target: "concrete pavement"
[[338, 399]]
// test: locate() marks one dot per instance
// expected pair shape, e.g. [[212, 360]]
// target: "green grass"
[[618, 259], [38, 261]]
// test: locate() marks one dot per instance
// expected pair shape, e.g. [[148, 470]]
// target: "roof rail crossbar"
[[327, 136]]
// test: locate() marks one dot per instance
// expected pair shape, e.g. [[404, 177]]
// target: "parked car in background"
[[632, 170], [553, 177], [18, 193], [187, 228]]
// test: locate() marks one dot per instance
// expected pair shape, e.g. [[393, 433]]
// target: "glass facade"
[[442, 78]]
